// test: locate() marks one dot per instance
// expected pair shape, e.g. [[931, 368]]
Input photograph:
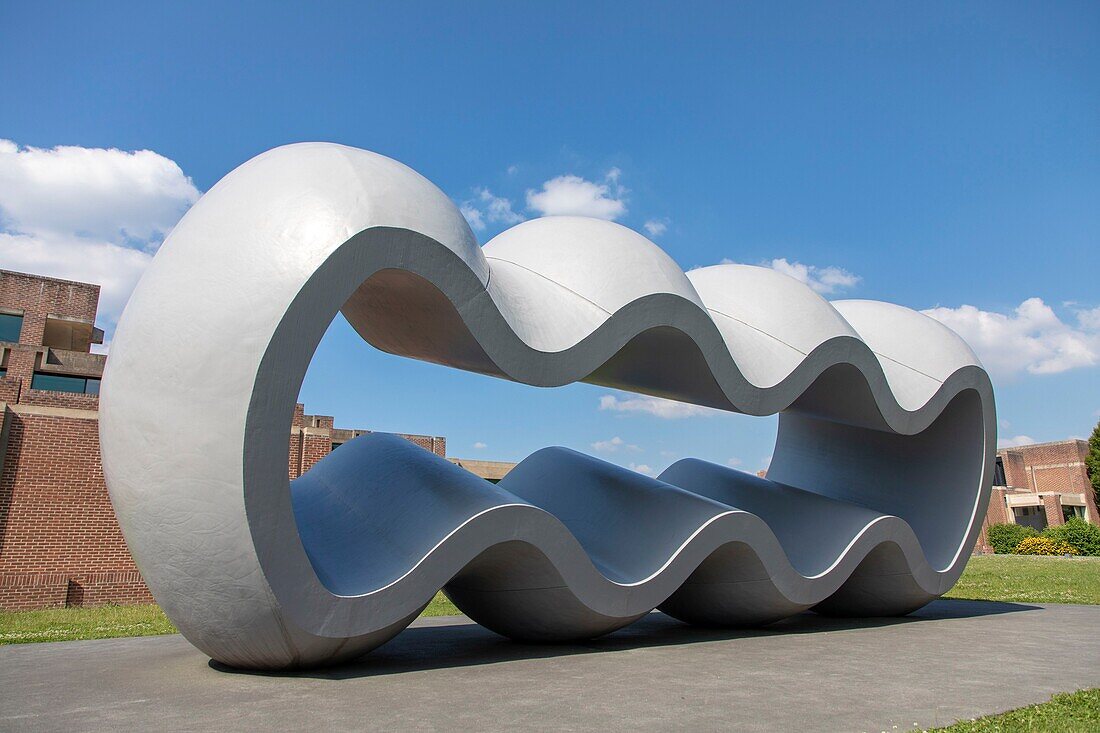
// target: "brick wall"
[[70, 400], [30, 591], [294, 465], [1052, 505], [996, 514], [429, 443], [48, 295], [998, 509], [40, 296], [306, 448], [1015, 468], [1048, 466], [9, 389], [20, 363], [312, 437], [315, 446], [59, 540], [60, 543]]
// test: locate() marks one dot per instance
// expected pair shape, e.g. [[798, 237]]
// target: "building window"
[[1069, 512], [999, 473], [65, 383], [10, 326], [1030, 516]]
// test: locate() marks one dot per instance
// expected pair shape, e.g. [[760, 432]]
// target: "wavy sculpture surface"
[[875, 494]]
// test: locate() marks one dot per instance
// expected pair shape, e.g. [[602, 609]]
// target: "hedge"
[[1077, 533], [1083, 538], [1044, 546], [1005, 538]]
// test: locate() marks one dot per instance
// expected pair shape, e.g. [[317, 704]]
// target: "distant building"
[[1040, 486], [60, 543], [312, 437]]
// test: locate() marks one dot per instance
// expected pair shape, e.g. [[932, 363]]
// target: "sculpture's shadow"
[[452, 641]]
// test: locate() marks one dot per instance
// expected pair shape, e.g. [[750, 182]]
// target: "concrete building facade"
[[60, 543]]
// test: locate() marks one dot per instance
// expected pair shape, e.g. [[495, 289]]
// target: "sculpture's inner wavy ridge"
[[880, 473], [702, 542]]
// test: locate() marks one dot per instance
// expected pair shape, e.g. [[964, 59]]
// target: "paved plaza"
[[953, 659]]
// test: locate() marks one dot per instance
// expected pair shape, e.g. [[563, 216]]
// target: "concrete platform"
[[953, 659]]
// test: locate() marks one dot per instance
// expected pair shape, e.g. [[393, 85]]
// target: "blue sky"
[[935, 156]]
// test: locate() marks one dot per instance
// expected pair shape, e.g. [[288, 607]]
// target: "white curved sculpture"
[[875, 494]]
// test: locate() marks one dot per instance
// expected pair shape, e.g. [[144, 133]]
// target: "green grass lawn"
[[1030, 579], [106, 622], [67, 624], [1021, 579], [441, 606], [1073, 712]]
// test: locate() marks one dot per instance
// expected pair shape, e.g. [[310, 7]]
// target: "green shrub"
[[1044, 546], [1077, 533], [1005, 538]]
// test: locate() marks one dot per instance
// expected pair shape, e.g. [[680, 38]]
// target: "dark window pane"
[[58, 383], [92, 387], [10, 326]]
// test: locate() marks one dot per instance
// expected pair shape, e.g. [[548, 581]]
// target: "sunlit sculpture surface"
[[880, 475]]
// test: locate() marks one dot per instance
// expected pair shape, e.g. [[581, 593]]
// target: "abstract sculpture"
[[880, 476]]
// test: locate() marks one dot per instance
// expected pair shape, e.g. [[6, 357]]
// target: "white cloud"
[[116, 269], [641, 468], [1015, 441], [499, 208], [824, 280], [613, 445], [487, 208], [734, 462], [655, 227], [89, 214], [473, 217], [574, 196], [1031, 339], [1089, 319], [662, 408], [480, 446], [109, 195]]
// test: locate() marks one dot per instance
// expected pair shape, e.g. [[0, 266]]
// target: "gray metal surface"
[[949, 660], [879, 480]]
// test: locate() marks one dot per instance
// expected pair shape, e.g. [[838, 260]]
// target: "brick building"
[[1040, 486], [60, 543], [312, 437]]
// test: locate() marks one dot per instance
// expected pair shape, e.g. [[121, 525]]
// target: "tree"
[[1092, 460]]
